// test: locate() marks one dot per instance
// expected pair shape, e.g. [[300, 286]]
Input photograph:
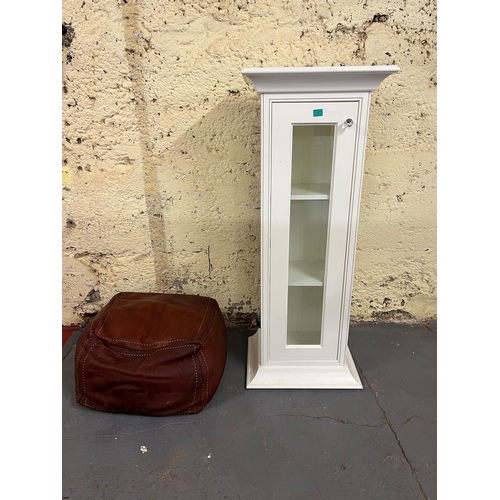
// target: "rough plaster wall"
[[161, 147]]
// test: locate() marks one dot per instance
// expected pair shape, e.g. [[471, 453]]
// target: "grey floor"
[[374, 443]]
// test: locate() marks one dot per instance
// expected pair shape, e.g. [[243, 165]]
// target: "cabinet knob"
[[348, 122]]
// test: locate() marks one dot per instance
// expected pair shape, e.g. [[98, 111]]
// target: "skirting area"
[[378, 442]]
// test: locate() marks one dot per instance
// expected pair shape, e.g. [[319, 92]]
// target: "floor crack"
[[412, 470], [67, 354], [326, 417], [347, 422], [412, 417]]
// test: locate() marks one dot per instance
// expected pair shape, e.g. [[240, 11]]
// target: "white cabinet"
[[313, 135]]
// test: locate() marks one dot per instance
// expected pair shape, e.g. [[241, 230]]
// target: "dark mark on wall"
[[394, 315], [68, 34], [235, 316], [249, 320], [177, 285], [209, 262], [71, 224], [86, 316], [93, 296], [137, 45]]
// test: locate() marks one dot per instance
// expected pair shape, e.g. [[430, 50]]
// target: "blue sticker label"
[[317, 112]]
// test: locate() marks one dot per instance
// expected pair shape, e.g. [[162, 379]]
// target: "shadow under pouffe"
[[151, 354]]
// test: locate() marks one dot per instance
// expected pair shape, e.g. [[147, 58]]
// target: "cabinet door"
[[312, 165]]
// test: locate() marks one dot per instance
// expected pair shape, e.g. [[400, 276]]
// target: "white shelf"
[[310, 192], [306, 273], [304, 338]]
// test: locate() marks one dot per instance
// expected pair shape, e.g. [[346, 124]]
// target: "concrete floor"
[[374, 443]]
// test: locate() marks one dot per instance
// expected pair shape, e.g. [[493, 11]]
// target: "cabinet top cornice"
[[318, 79]]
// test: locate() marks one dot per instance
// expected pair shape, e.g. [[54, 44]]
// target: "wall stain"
[[394, 316], [234, 315], [210, 267], [380, 18], [93, 296], [136, 45], [68, 33]]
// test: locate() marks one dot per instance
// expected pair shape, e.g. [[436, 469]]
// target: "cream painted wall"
[[161, 181]]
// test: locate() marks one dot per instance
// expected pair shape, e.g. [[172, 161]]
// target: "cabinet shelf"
[[310, 192], [306, 273]]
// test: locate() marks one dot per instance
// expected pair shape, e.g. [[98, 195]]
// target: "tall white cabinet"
[[313, 135]]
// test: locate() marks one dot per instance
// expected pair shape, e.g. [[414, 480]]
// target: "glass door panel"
[[312, 158], [304, 315], [310, 174], [308, 233], [312, 155]]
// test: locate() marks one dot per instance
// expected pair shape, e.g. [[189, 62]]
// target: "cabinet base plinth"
[[299, 375]]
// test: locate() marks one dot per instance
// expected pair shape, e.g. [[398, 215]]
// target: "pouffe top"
[[141, 320]]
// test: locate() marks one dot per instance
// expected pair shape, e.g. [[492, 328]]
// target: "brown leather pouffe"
[[151, 354]]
